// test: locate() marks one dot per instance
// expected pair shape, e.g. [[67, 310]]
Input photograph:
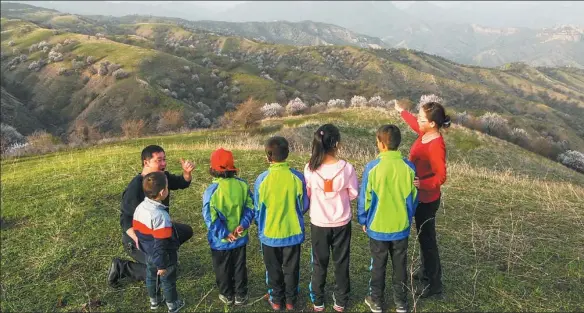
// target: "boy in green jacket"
[[228, 212], [386, 205], [280, 202]]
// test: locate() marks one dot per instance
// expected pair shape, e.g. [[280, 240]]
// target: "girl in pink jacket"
[[331, 184]]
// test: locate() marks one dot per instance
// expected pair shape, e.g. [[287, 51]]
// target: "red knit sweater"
[[430, 161]]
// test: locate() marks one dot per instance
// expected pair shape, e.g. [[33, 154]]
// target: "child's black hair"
[[153, 183], [277, 149], [390, 136], [224, 174], [325, 141]]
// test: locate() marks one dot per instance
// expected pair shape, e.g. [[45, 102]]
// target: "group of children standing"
[[386, 204]]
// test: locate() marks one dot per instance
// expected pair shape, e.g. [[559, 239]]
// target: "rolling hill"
[[175, 68]]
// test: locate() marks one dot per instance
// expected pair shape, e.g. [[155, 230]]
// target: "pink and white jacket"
[[331, 209]]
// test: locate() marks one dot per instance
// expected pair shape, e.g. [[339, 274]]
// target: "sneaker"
[[401, 309], [113, 274], [336, 306], [318, 308], [289, 307], [176, 306], [155, 304], [275, 306], [225, 299], [241, 300], [374, 307]]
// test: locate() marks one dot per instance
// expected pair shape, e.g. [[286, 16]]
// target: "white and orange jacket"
[[155, 233]]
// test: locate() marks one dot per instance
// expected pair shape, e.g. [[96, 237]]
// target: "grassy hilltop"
[[509, 228]]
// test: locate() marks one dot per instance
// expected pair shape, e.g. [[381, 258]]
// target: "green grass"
[[509, 228], [128, 56], [25, 41]]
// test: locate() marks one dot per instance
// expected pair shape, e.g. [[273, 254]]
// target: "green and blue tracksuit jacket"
[[227, 203], [388, 198], [280, 202]]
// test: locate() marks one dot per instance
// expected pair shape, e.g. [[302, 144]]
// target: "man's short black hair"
[[390, 136], [149, 151], [277, 149], [153, 183]]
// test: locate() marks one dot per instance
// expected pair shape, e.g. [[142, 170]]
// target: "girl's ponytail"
[[325, 140]]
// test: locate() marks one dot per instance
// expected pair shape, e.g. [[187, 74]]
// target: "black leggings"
[[426, 227]]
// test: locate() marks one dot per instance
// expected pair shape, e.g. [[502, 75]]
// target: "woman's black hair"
[[224, 174], [435, 113], [325, 140]]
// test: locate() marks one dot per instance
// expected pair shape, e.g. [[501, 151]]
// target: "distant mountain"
[[306, 33], [501, 14], [373, 18], [181, 9], [474, 33], [485, 46]]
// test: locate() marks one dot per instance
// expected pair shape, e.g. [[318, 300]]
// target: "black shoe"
[[429, 292], [374, 307], [114, 273]]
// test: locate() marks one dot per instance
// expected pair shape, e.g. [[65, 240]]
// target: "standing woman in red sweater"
[[428, 153]]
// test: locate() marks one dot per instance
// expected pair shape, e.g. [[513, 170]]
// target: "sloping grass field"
[[509, 227]]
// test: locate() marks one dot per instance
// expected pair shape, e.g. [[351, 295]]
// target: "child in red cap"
[[228, 213]]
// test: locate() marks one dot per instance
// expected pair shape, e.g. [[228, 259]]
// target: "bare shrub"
[[83, 132], [170, 120], [318, 107], [42, 142], [133, 128], [247, 115]]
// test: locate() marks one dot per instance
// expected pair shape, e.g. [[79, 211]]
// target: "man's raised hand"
[[187, 165]]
